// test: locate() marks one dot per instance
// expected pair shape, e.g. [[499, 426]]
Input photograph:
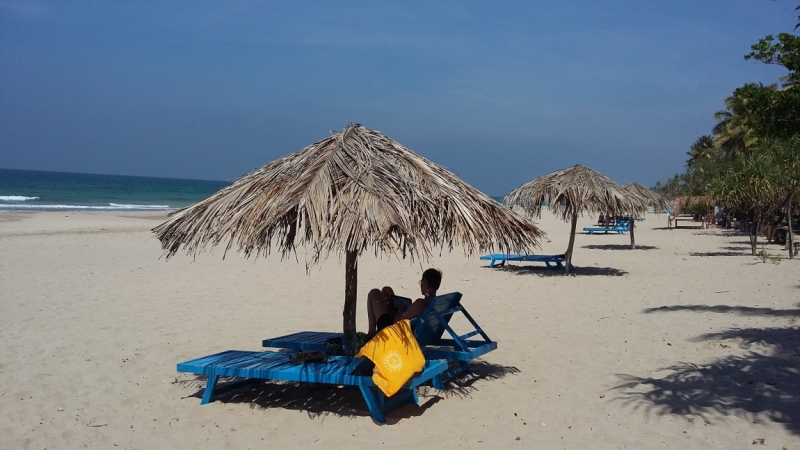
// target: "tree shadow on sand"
[[725, 309], [736, 248], [321, 400], [718, 254], [543, 271], [618, 247], [759, 384]]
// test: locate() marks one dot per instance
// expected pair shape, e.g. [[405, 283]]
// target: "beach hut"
[[651, 198], [355, 191], [572, 192]]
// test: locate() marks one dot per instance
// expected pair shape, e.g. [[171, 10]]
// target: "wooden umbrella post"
[[631, 224], [350, 302], [568, 258]]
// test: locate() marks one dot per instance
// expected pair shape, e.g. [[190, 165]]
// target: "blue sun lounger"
[[337, 370], [555, 260], [428, 329], [620, 228]]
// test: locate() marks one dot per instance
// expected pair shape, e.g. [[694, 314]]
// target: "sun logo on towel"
[[393, 361]]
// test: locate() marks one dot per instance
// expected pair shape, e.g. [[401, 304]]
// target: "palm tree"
[[734, 132], [702, 150]]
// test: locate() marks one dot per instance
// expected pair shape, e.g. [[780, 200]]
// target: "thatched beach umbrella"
[[651, 198], [654, 199], [573, 191], [682, 202], [355, 191]]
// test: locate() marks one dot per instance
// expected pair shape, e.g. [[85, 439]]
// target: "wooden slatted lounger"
[[428, 330], [555, 260], [337, 370]]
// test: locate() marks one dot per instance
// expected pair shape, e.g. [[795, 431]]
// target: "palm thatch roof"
[[654, 199], [576, 190], [678, 204], [355, 191], [572, 192]]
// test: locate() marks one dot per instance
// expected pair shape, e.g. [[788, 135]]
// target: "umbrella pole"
[[571, 242], [350, 302], [632, 222]]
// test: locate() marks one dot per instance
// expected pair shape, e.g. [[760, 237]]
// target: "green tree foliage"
[[739, 124], [702, 150], [750, 187], [785, 52], [760, 183], [774, 112]]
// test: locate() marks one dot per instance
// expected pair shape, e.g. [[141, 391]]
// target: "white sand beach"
[[687, 342]]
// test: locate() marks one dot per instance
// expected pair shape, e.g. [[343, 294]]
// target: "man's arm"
[[415, 310]]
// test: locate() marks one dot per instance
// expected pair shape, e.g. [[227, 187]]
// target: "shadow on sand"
[[725, 309], [618, 247], [717, 254], [736, 248], [543, 271], [320, 400], [762, 383]]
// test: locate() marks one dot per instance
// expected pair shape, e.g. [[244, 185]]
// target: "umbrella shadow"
[[545, 272], [762, 383], [321, 400], [464, 385], [618, 247]]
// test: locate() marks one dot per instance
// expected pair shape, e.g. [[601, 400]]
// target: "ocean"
[[28, 190]]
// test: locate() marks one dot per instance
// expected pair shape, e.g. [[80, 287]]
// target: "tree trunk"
[[568, 256], [753, 231], [789, 234], [350, 302], [633, 238]]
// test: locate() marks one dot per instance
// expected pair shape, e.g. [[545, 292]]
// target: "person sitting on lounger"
[[381, 309]]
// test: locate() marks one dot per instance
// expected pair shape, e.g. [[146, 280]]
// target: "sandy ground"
[[686, 342]]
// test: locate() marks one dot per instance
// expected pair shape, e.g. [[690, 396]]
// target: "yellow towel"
[[396, 355]]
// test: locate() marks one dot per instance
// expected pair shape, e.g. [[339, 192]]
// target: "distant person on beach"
[[383, 312]]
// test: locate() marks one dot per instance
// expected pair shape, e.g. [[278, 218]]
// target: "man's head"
[[431, 279]]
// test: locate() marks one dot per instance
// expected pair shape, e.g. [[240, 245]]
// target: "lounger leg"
[[374, 399], [210, 385], [402, 396], [491, 264]]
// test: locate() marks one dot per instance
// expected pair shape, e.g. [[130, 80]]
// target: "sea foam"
[[110, 207], [15, 198]]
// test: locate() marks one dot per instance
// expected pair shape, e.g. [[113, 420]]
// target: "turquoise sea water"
[[26, 190]]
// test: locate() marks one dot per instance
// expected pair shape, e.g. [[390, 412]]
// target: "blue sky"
[[498, 93]]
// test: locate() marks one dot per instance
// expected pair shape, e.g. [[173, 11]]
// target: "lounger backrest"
[[428, 329]]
